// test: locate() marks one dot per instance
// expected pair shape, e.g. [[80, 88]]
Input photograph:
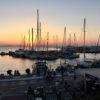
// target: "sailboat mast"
[[98, 41], [24, 42], [29, 39], [97, 45], [40, 35], [64, 38], [74, 40], [56, 42], [32, 38], [38, 27], [70, 39], [84, 36], [47, 40]]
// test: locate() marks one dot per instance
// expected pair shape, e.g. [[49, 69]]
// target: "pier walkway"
[[17, 89]]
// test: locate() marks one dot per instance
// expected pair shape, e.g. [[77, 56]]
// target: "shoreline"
[[25, 78]]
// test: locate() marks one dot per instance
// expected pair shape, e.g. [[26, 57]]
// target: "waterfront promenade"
[[17, 90]]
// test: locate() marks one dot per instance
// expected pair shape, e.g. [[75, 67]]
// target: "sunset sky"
[[18, 16]]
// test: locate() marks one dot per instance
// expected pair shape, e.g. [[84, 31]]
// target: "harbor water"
[[8, 62]]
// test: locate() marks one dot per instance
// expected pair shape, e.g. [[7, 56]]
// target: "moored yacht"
[[39, 67]]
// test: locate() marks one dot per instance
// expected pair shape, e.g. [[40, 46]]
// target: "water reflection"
[[8, 62]]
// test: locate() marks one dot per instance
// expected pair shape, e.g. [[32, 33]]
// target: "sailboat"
[[67, 52], [85, 63]]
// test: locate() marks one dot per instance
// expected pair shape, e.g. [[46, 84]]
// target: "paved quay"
[[17, 90]]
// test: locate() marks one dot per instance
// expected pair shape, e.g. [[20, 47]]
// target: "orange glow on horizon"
[[17, 40], [14, 33]]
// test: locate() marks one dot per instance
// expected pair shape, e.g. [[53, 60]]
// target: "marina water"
[[8, 62]]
